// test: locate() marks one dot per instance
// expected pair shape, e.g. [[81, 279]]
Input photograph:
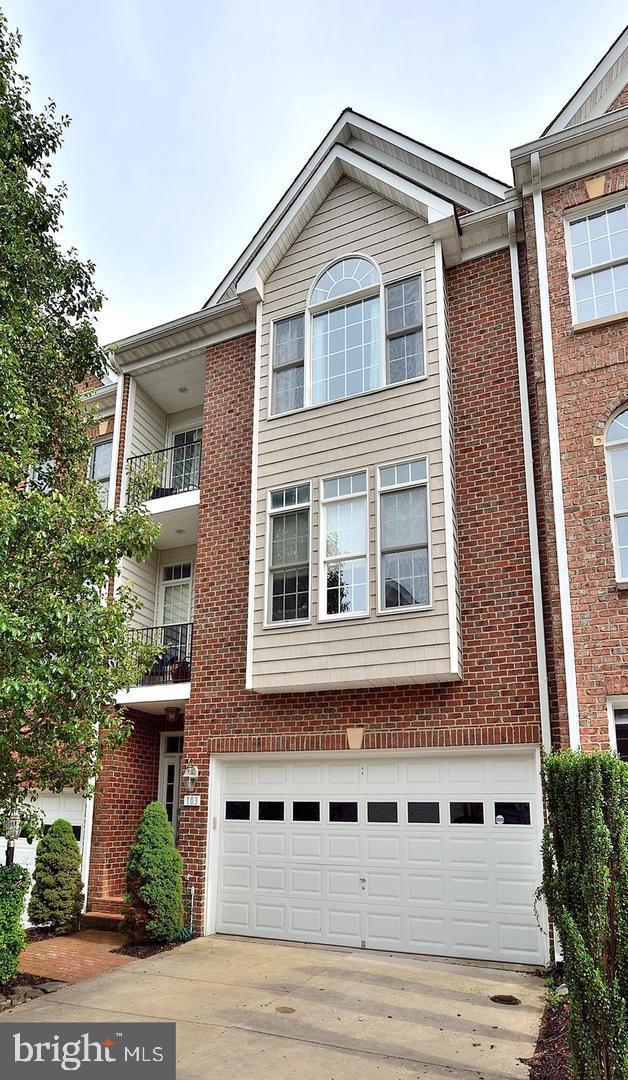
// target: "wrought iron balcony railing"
[[174, 665], [178, 468]]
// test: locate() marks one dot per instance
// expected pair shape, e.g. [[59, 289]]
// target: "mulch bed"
[[552, 1057], [144, 951]]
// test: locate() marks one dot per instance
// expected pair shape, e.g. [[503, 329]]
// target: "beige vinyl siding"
[[363, 432], [148, 431], [142, 577], [145, 580]]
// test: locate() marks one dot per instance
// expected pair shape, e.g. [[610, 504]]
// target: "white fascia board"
[[562, 141], [433, 157], [180, 501], [169, 356], [414, 173], [426, 204], [162, 694], [576, 102], [350, 122], [165, 330]]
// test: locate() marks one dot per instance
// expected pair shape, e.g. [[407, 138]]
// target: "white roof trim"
[[339, 162], [569, 114], [342, 133]]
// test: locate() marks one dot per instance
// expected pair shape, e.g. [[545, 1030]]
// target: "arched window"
[[617, 463], [346, 346], [355, 335]]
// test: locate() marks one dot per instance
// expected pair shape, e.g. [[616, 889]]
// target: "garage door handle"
[[363, 880]]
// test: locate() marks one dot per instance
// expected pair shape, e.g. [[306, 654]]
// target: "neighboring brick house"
[[387, 571]]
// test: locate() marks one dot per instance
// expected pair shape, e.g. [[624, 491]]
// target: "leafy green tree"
[[57, 897], [153, 903], [64, 651]]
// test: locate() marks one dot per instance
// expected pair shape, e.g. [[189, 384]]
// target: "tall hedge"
[[153, 903], [57, 897], [585, 883], [14, 882]]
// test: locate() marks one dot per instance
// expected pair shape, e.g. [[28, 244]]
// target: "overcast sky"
[[189, 119]]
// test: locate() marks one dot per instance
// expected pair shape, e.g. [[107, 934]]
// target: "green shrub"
[[14, 882], [57, 897], [153, 904], [585, 883]]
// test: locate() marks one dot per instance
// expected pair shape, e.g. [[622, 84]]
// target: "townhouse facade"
[[392, 459]]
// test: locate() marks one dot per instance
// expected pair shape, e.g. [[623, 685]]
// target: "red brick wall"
[[497, 702], [591, 383], [127, 783]]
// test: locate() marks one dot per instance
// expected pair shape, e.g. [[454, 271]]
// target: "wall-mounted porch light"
[[190, 776]]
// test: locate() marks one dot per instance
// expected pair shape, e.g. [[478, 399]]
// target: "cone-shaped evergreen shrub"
[[585, 882], [57, 897], [153, 904], [14, 882]]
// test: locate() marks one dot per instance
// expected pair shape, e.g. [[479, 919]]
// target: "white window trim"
[[579, 213], [267, 623], [401, 611], [322, 543], [159, 607], [400, 333], [343, 301], [164, 758], [614, 514], [612, 704]]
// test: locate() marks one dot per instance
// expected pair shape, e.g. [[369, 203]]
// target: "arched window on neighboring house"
[[617, 466]]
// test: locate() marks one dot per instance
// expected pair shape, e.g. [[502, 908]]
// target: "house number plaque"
[[191, 800]]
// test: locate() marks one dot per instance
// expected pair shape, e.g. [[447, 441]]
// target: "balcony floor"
[[154, 699]]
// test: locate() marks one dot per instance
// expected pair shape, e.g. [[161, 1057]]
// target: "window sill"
[[271, 417], [606, 320], [620, 586]]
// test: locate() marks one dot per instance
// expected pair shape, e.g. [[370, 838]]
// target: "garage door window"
[[306, 811], [237, 811], [381, 812], [512, 813], [466, 813], [423, 813], [270, 811], [343, 811]]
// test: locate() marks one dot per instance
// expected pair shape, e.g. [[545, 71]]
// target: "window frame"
[[322, 615], [267, 623], [161, 592], [311, 310], [390, 335], [401, 611], [102, 441], [613, 706], [614, 514], [579, 213]]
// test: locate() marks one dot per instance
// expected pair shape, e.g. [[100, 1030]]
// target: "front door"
[[170, 775]]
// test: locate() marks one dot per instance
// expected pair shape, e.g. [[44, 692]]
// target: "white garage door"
[[429, 854], [68, 806]]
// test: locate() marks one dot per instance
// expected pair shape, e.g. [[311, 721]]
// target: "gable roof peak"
[[599, 90]]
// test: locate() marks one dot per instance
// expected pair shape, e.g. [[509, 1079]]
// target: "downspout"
[[535, 558], [555, 462]]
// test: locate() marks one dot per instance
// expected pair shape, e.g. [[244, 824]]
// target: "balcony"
[[174, 501], [167, 683]]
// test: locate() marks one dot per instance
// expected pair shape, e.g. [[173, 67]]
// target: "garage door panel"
[[397, 876]]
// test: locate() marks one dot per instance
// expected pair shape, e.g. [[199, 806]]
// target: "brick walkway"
[[75, 957]]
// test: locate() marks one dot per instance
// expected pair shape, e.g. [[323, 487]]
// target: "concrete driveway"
[[261, 1010]]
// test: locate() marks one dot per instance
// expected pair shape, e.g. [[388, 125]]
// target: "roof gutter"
[[569, 659]]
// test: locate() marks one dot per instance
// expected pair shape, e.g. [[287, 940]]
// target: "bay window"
[[289, 554], [404, 544], [344, 564]]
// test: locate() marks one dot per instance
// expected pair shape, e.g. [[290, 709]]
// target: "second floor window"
[[617, 459], [404, 535], [599, 264], [100, 468], [345, 555], [339, 347], [289, 554]]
